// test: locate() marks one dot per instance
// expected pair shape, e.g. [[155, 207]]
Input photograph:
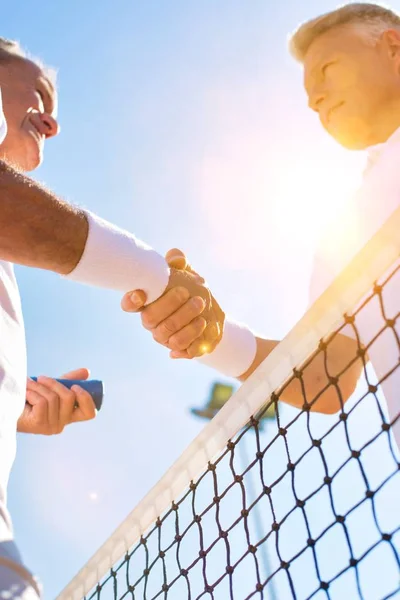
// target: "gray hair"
[[10, 49], [369, 20]]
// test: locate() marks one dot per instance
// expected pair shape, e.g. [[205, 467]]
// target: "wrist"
[[236, 351], [115, 259]]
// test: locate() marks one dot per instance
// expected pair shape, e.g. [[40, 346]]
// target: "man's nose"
[[315, 100], [49, 126]]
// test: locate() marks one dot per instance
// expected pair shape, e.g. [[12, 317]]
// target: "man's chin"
[[350, 142], [25, 162], [32, 166], [354, 136], [30, 162]]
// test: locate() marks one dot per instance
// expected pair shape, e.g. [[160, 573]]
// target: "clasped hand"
[[186, 319], [50, 406]]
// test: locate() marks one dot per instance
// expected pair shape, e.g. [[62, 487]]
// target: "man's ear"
[[391, 40]]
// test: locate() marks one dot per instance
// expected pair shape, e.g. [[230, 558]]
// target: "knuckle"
[[69, 396], [157, 337], [168, 327], [182, 294], [198, 325], [53, 397], [89, 414], [184, 338], [194, 350], [212, 332], [160, 336], [198, 304], [148, 319], [178, 342]]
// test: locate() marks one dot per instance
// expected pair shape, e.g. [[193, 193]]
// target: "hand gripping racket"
[[93, 386]]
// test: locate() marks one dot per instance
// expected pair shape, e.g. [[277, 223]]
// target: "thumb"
[[133, 301], [82, 373], [176, 259]]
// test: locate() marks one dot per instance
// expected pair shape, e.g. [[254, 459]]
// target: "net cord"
[[323, 317]]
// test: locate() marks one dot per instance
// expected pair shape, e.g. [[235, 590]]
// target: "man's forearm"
[[36, 228], [340, 358]]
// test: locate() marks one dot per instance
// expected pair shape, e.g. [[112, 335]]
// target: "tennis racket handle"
[[93, 386]]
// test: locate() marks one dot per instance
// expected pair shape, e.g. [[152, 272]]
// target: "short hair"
[[10, 49], [370, 20]]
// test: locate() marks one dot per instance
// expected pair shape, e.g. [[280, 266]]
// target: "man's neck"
[[387, 122]]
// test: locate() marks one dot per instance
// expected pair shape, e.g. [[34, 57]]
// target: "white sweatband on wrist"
[[236, 351], [115, 259]]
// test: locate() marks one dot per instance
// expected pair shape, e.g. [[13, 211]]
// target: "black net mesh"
[[300, 506]]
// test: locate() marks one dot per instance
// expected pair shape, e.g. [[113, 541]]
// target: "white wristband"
[[115, 259], [235, 353]]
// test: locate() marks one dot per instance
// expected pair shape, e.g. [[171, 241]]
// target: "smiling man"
[[40, 230], [351, 63], [30, 103]]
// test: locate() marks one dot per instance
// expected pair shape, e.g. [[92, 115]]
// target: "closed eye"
[[326, 66], [41, 95], [46, 100]]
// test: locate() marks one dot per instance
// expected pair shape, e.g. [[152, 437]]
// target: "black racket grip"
[[93, 386]]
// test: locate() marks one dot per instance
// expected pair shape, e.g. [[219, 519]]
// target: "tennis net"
[[307, 506]]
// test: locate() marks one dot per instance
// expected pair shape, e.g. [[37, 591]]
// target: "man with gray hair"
[[39, 230], [351, 62]]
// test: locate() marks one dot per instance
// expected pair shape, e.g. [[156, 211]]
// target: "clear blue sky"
[[186, 123]]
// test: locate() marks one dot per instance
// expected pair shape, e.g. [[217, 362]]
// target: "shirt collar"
[[374, 152]]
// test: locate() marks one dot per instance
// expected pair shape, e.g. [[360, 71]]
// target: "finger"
[[50, 390], [61, 401], [199, 347], [31, 385], [70, 402], [39, 408], [86, 409], [82, 373], [179, 319], [133, 301], [178, 354], [183, 339], [205, 343], [164, 307], [176, 259], [212, 335]]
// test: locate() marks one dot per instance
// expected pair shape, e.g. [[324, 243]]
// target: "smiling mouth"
[[39, 136], [332, 110]]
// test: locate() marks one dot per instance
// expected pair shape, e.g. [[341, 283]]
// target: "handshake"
[[186, 319]]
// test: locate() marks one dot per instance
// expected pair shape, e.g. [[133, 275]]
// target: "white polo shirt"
[[358, 221], [12, 385]]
